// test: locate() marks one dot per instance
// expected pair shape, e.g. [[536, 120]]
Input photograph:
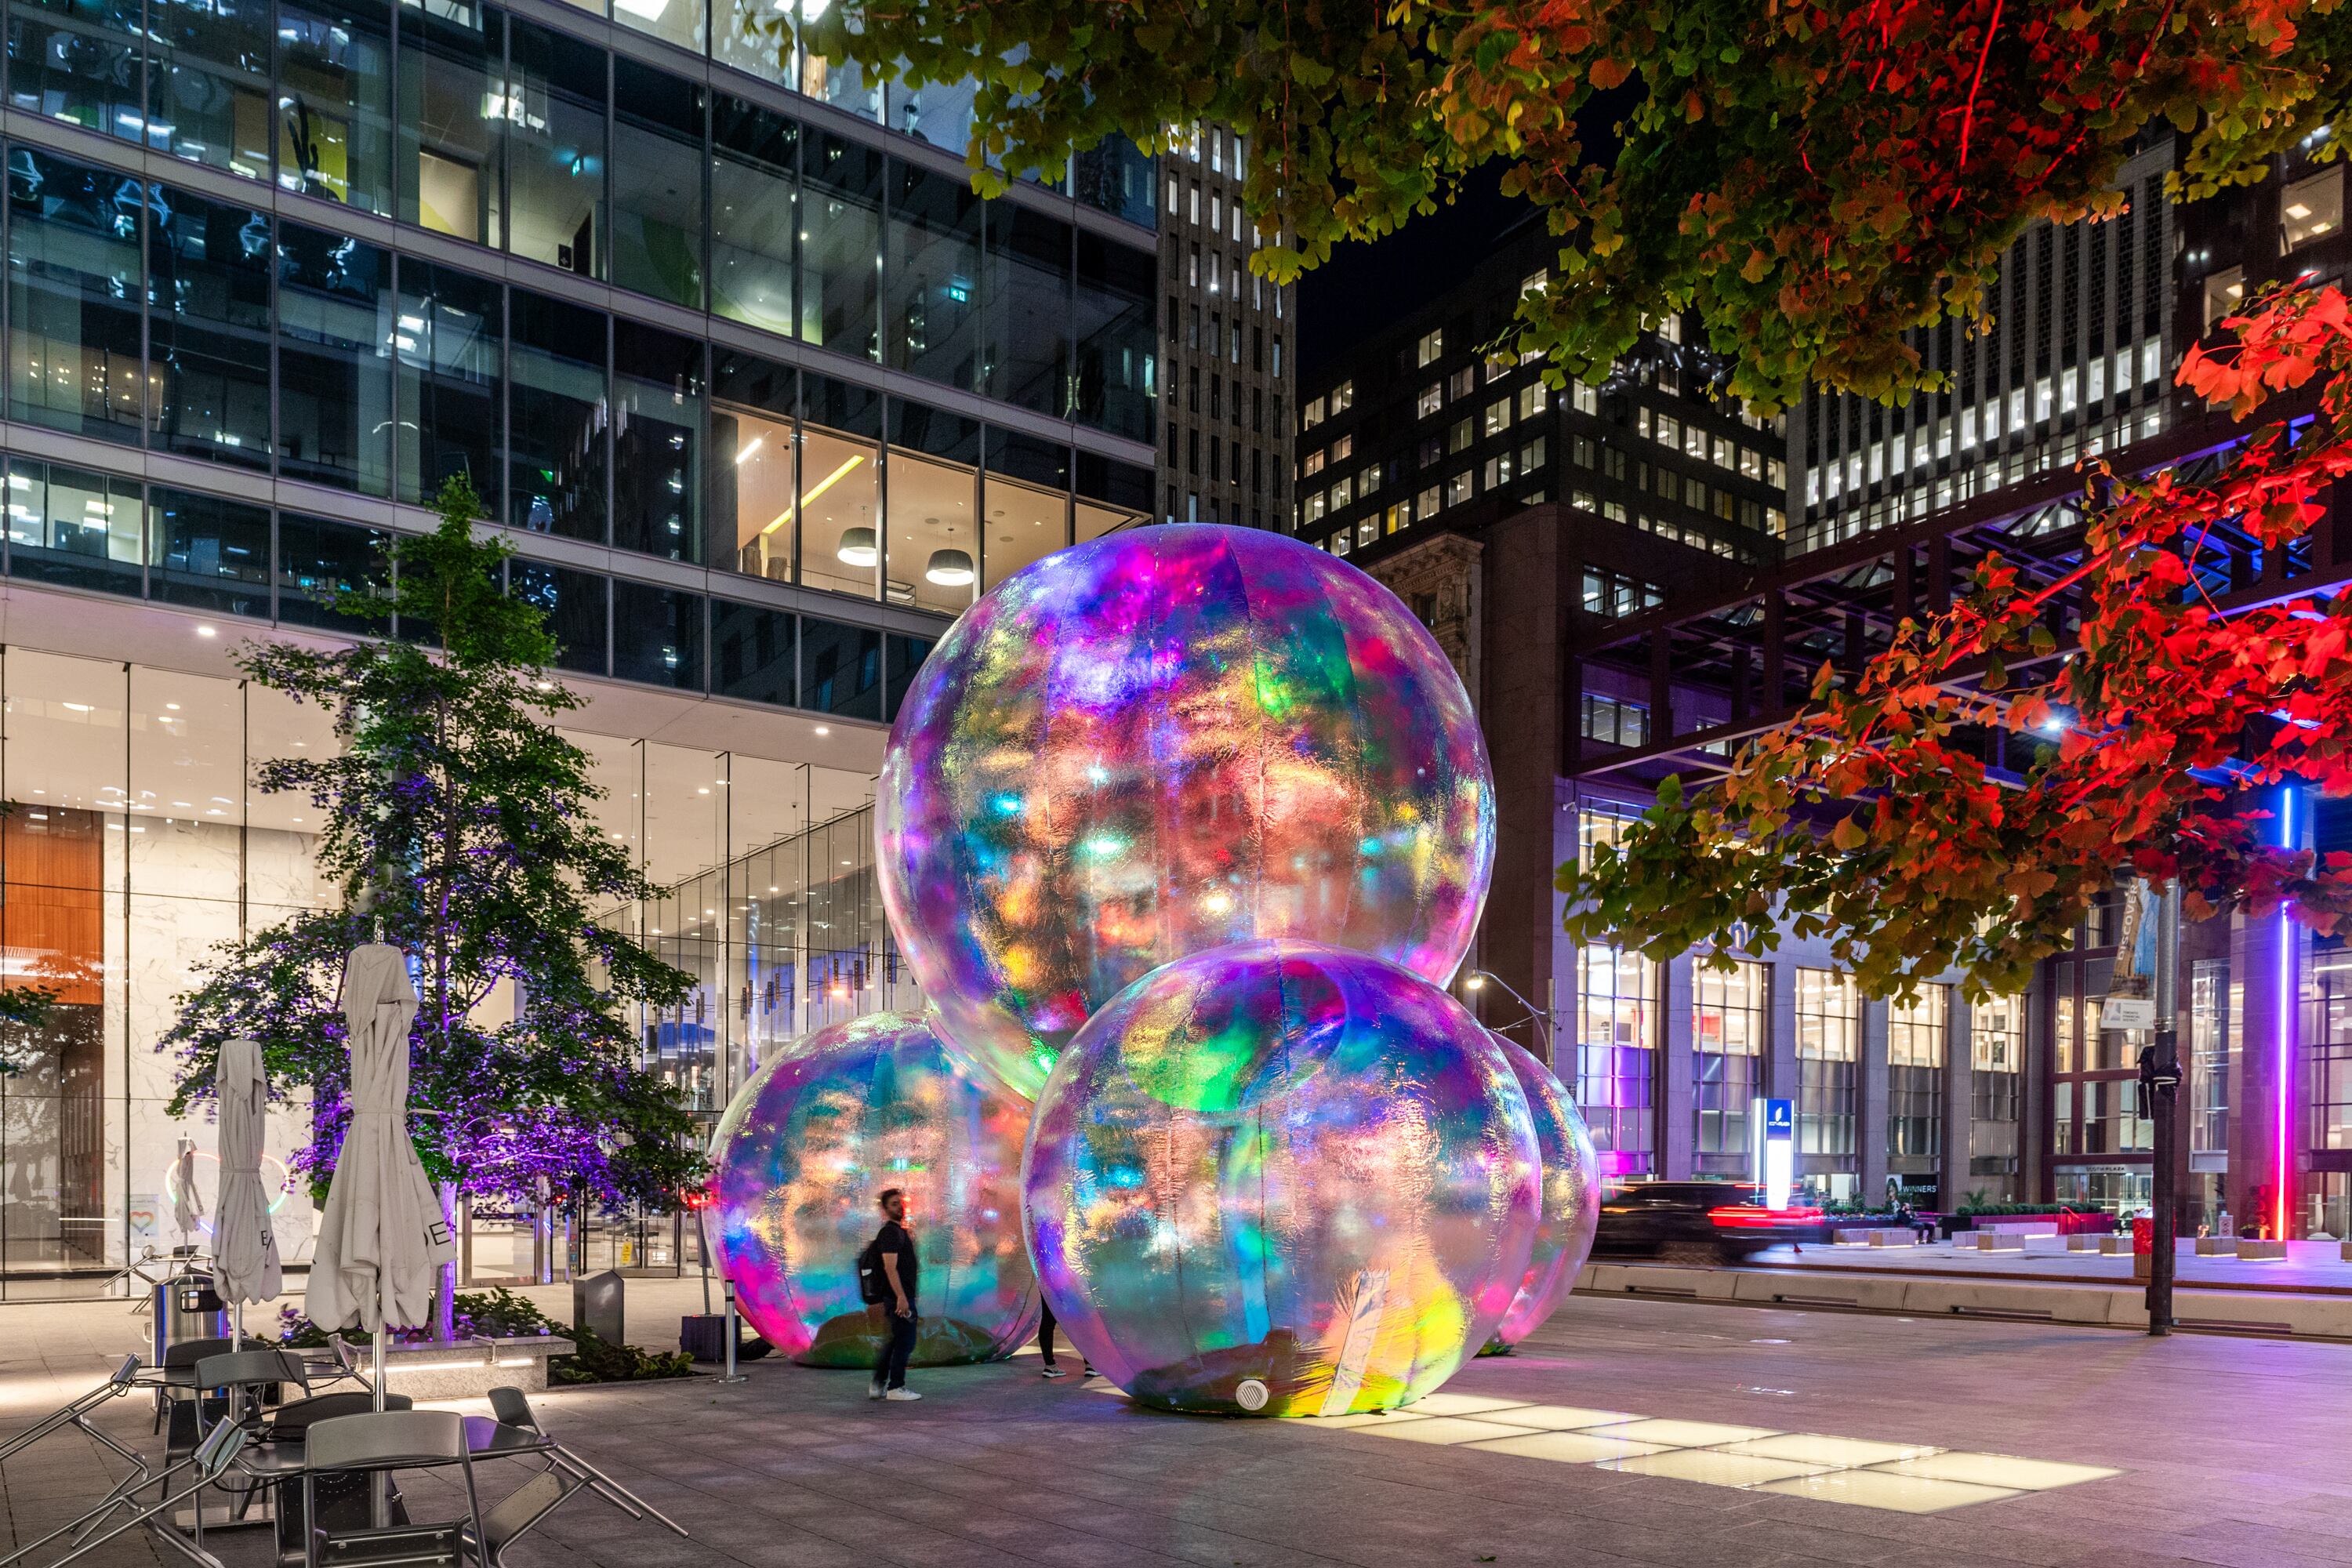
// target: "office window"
[[754, 176], [2212, 1041], [1916, 1034], [560, 413], [1431, 346], [1534, 398], [658, 404], [334, 379], [841, 669], [1030, 277], [657, 636], [840, 493], [208, 329], [318, 559], [1498, 416], [906, 655], [74, 284], [2313, 208], [1996, 1052], [446, 351], [1461, 383], [931, 277], [556, 178], [1614, 722], [1499, 470], [451, 137], [2223, 291], [84, 71], [334, 102], [1431, 399], [841, 250], [74, 528], [573, 604], [1426, 504], [1026, 506], [1342, 493], [208, 83], [1531, 456], [1311, 415], [1728, 1036], [1614, 594], [932, 546], [1829, 1039], [1586, 399], [1116, 341], [1458, 488], [208, 554], [1343, 396], [752, 515], [657, 166], [1614, 1049], [754, 653]]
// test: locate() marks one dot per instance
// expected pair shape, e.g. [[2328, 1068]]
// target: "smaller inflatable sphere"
[[1569, 1211], [1281, 1178], [810, 1144]]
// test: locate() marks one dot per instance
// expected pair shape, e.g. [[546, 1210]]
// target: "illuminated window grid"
[[1903, 1477]]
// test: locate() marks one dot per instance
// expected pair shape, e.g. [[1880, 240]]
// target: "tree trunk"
[[445, 1278]]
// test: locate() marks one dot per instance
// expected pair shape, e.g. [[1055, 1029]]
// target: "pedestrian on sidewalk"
[[892, 1256]]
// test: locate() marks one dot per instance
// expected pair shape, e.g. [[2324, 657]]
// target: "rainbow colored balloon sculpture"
[[1570, 1210], [807, 1146], [1281, 1178], [1164, 741]]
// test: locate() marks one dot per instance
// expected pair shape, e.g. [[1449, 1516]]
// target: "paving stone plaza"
[[1626, 1432]]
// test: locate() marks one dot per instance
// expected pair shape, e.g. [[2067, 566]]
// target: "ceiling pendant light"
[[857, 548], [950, 569]]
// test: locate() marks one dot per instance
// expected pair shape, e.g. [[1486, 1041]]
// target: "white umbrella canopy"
[[245, 1250], [382, 1236], [187, 1204]]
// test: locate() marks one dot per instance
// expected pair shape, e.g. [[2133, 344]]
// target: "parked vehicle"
[[1707, 1222]]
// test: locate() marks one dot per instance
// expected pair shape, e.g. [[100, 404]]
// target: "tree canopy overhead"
[[1872, 820], [1814, 177]]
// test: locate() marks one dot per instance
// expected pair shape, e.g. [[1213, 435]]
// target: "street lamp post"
[[1475, 980]]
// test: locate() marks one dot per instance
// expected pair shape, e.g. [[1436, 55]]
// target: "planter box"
[[2217, 1247], [468, 1369], [2115, 1245], [1993, 1240], [2255, 1250]]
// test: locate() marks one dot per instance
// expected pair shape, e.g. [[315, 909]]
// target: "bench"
[[2253, 1250], [1992, 1240]]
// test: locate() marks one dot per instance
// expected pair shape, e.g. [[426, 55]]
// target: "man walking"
[[894, 1252]]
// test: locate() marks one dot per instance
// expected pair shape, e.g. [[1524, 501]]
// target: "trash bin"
[[596, 1306], [703, 1336]]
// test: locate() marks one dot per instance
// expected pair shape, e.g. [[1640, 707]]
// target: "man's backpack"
[[872, 1288]]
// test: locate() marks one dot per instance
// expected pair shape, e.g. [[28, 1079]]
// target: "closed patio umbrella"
[[381, 1238], [245, 1251]]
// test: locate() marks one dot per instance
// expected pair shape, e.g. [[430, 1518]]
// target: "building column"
[[1780, 1036], [1673, 1086], [1959, 1104], [1870, 1107]]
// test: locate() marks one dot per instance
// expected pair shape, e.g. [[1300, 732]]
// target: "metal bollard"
[[732, 1374]]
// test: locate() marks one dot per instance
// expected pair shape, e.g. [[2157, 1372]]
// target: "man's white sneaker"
[[902, 1394]]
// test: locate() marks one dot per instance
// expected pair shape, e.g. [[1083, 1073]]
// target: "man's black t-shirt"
[[895, 1238]]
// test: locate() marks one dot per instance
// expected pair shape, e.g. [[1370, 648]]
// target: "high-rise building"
[[1226, 359], [759, 391]]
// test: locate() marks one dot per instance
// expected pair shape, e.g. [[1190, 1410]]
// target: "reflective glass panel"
[[752, 652], [208, 554], [751, 36], [1118, 338], [452, 105], [657, 636], [74, 285], [556, 127], [556, 460], [657, 441], [208, 334], [658, 164], [841, 669], [574, 602], [841, 492], [446, 342], [932, 556], [75, 528], [754, 210], [841, 248], [335, 323], [334, 101], [208, 83], [319, 558], [1028, 290], [932, 277], [77, 61], [753, 516]]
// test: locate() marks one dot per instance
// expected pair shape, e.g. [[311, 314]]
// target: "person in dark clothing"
[[1045, 1342], [901, 1273]]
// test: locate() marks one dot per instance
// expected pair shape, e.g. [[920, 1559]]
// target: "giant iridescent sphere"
[[1163, 740], [1569, 1211], [805, 1150], [1281, 1178]]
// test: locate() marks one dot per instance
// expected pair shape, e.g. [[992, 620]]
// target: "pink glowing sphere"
[[807, 1147], [1164, 741], [1570, 1210], [1283, 1179]]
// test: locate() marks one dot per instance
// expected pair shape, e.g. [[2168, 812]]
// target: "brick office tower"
[[1226, 347]]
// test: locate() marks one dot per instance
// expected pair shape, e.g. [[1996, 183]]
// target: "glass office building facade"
[[762, 395]]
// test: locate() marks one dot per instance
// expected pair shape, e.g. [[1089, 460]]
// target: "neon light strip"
[[2287, 1001], [824, 485]]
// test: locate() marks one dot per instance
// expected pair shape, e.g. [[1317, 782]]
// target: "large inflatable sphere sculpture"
[[1570, 1211], [801, 1156], [1281, 1178], [1164, 741]]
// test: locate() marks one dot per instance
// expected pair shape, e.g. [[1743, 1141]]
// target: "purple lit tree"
[[457, 828]]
